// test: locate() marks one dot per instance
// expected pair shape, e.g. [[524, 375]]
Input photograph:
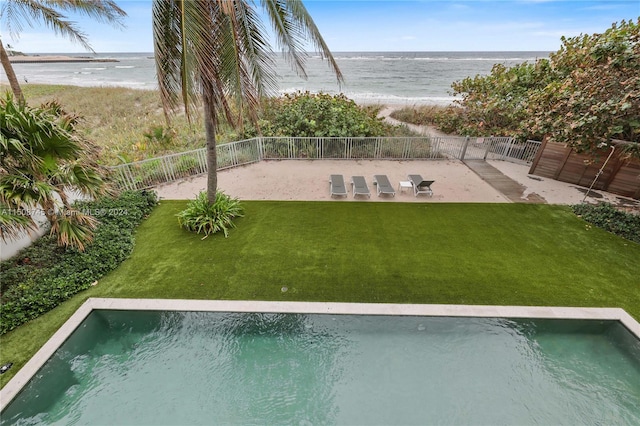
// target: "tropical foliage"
[[595, 93], [217, 52], [43, 275], [586, 94], [15, 13], [42, 162], [497, 104], [305, 114], [202, 217]]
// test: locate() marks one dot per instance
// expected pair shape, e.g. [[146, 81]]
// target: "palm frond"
[[25, 191], [293, 27], [180, 46], [42, 159], [73, 229], [103, 11], [14, 222], [16, 12], [253, 63], [85, 180], [31, 11]]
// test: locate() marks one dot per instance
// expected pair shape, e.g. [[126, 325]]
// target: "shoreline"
[[386, 106], [28, 59]]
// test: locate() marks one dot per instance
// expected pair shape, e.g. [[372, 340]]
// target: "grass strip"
[[493, 254]]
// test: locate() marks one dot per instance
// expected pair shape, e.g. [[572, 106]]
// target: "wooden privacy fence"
[[154, 171], [620, 176]]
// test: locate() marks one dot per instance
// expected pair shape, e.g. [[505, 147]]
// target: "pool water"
[[146, 367]]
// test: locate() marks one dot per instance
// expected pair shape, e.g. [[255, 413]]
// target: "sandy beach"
[[308, 180]]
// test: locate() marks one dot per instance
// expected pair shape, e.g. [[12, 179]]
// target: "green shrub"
[[607, 217], [204, 218], [160, 135], [422, 115], [43, 275], [305, 114]]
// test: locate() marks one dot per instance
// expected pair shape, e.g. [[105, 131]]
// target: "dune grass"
[[495, 254], [129, 125], [117, 119]]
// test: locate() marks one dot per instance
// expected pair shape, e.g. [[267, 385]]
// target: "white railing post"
[[509, 147], [260, 146], [489, 145], [464, 148]]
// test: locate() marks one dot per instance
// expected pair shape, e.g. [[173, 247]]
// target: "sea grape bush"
[[305, 114], [595, 93], [583, 95], [43, 275], [497, 104]]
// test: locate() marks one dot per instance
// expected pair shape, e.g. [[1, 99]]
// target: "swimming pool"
[[196, 367]]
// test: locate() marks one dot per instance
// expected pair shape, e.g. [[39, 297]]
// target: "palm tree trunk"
[[212, 155], [11, 75]]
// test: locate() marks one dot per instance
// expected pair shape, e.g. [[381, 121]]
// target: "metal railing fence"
[[154, 171]]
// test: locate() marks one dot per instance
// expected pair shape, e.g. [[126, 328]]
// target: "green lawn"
[[497, 254]]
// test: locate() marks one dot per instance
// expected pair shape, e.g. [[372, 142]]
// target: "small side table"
[[403, 185]]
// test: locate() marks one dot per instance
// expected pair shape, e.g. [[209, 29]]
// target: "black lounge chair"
[[337, 185], [360, 187], [421, 186], [383, 186]]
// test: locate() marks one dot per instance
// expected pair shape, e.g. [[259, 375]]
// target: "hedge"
[[44, 275], [607, 217]]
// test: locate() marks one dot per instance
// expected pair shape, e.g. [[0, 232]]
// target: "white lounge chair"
[[359, 186], [421, 186], [383, 186], [337, 185]]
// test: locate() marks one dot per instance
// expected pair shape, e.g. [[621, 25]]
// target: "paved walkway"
[[508, 187]]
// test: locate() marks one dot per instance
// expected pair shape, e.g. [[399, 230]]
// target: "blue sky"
[[384, 25]]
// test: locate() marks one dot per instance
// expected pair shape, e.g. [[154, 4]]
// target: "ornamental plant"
[[206, 218], [43, 158]]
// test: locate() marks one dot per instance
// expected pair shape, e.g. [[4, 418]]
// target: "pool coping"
[[15, 385]]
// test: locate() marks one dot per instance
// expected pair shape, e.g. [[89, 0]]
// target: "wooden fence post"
[[536, 159]]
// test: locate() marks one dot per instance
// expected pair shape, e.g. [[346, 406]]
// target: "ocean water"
[[412, 78]]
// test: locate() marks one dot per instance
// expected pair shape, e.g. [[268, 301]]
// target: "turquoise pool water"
[[136, 367]]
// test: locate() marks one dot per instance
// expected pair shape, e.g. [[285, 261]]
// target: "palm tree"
[[42, 159], [216, 52], [50, 12]]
